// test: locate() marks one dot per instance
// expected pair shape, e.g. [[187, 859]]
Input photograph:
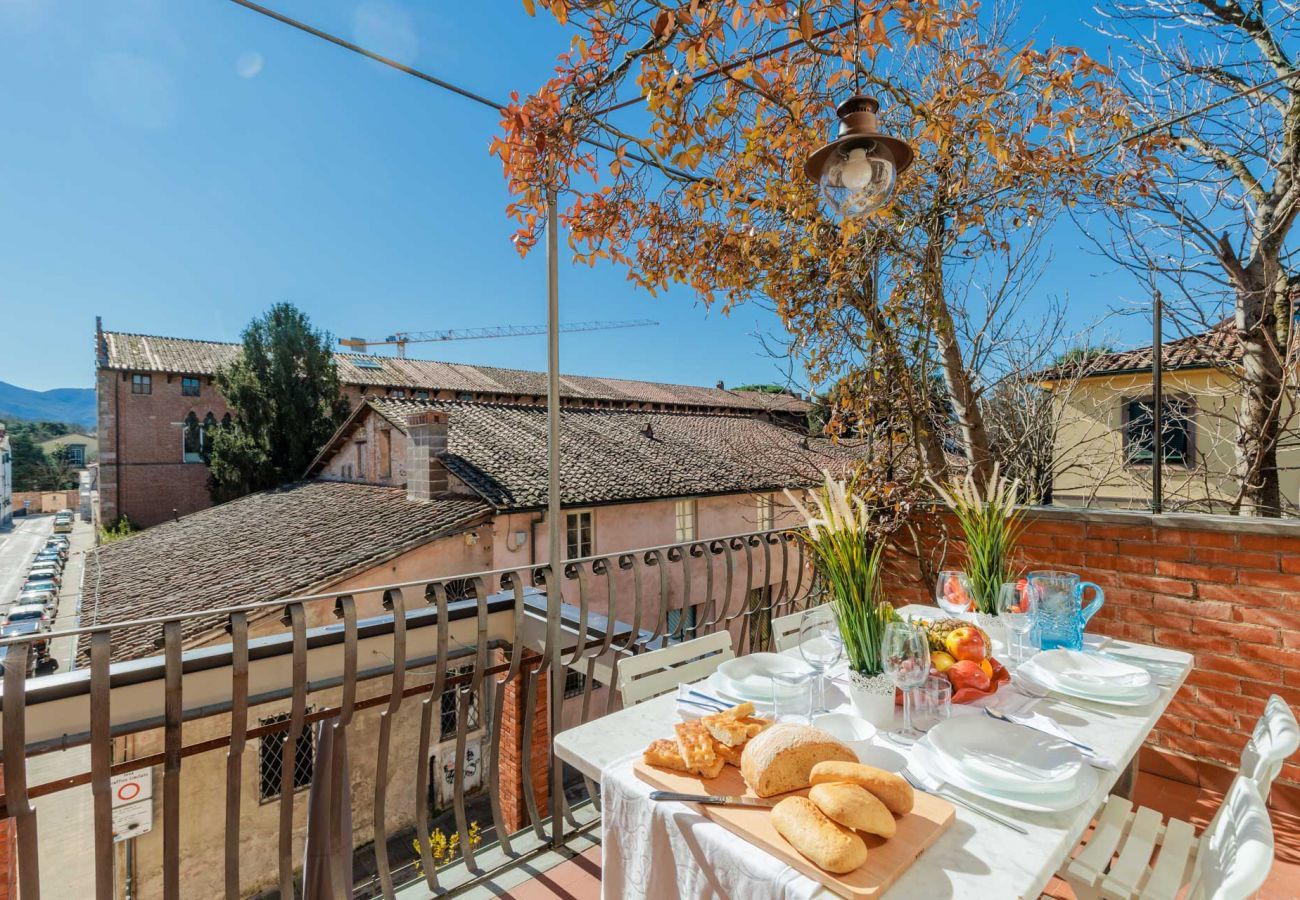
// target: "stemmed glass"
[[821, 646], [1017, 606], [905, 653], [952, 593]]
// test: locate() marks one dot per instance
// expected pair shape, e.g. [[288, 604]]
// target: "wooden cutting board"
[[886, 859]]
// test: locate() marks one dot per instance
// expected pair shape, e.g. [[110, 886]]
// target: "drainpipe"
[[554, 595], [1157, 411]]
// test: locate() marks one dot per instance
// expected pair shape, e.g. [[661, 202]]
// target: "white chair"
[[1229, 862], [650, 674], [1275, 738], [785, 631]]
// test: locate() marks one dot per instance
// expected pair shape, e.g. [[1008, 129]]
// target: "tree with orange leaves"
[[676, 139]]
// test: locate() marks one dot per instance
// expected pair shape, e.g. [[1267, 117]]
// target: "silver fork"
[[936, 787]]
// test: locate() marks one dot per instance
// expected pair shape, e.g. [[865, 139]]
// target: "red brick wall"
[[514, 744], [1225, 589], [8, 855]]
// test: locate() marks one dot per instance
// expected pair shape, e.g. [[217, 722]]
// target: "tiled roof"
[[606, 454], [258, 548], [141, 352], [1217, 346]]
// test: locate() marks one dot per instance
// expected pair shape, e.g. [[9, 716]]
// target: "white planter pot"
[[997, 632], [873, 698]]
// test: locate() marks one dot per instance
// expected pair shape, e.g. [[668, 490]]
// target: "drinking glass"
[[905, 652], [1017, 607], [952, 593], [820, 645], [933, 702], [792, 697]]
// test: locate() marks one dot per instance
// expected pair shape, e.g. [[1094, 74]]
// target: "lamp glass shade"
[[857, 179]]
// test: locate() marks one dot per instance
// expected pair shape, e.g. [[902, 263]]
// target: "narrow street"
[[17, 547]]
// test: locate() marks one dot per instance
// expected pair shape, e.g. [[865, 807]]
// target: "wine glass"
[[905, 653], [821, 646], [1017, 606], [952, 593]]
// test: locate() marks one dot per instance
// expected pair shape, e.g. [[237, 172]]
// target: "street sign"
[[132, 820], [132, 787]]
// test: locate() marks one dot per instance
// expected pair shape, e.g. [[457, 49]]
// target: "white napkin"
[[1045, 724], [697, 700]]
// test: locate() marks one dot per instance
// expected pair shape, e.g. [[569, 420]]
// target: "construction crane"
[[401, 338]]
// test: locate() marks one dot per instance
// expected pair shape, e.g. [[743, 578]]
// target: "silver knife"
[[712, 800]]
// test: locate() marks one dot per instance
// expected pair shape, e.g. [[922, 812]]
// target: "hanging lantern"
[[856, 172]]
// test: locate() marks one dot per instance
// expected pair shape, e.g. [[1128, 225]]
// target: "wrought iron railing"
[[425, 653]]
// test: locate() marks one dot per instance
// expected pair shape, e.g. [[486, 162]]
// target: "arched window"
[[225, 421], [209, 425], [192, 439]]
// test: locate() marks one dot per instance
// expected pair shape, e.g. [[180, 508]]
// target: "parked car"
[[41, 583], [52, 558], [63, 522], [60, 539], [49, 599], [45, 570], [40, 652], [57, 547], [29, 612]]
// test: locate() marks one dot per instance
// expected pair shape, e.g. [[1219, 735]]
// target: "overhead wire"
[[676, 172]]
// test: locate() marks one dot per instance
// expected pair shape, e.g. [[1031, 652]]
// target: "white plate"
[[1045, 680], [721, 687], [846, 727], [750, 677], [1080, 790], [1004, 756], [1092, 672]]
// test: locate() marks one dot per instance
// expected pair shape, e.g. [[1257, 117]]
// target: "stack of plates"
[[1091, 676], [750, 677], [1006, 763]]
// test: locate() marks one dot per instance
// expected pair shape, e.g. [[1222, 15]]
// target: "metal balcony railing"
[[451, 657]]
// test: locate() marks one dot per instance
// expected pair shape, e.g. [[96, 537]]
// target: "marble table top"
[[975, 858]]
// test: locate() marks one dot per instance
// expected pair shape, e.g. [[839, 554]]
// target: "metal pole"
[[1157, 407], [554, 595]]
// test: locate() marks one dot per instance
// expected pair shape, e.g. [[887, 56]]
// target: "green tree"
[[28, 460], [285, 401]]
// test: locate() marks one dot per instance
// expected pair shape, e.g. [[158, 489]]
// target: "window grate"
[[447, 708], [270, 759]]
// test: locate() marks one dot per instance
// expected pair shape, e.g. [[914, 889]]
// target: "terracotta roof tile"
[[258, 548], [606, 454], [141, 352], [1217, 346]]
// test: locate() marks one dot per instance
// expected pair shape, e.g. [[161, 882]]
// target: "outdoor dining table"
[[974, 858]]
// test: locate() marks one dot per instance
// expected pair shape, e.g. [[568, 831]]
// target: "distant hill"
[[76, 405]]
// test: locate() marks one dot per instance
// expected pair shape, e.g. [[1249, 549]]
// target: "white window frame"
[[766, 512], [685, 521], [572, 519]]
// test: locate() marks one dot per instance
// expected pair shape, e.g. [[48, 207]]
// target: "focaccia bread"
[[892, 789], [726, 729], [664, 754], [853, 807], [780, 758], [831, 847], [696, 746]]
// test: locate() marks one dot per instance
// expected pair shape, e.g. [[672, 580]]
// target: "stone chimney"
[[426, 443]]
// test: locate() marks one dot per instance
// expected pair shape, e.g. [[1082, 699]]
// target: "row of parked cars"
[[38, 601]]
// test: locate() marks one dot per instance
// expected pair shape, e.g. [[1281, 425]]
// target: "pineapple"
[[937, 630]]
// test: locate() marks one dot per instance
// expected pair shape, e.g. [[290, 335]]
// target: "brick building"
[[157, 398]]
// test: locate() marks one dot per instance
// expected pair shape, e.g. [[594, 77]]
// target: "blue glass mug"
[[1062, 615]]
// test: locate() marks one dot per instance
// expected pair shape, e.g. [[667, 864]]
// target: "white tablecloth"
[[662, 850]]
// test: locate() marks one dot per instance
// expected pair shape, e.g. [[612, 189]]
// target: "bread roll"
[[893, 790], [853, 807], [829, 846], [780, 758]]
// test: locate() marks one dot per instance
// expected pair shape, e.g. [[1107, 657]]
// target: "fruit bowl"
[[959, 651]]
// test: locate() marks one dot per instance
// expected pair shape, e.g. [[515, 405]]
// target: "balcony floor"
[[578, 878]]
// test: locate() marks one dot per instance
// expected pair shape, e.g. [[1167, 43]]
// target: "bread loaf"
[[780, 758], [853, 807], [892, 790], [829, 846]]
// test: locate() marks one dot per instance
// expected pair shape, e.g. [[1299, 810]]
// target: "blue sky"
[[178, 167]]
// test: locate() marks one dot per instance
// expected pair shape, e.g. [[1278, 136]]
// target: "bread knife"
[[712, 800]]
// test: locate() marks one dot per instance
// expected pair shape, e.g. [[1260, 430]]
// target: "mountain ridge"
[[72, 405]]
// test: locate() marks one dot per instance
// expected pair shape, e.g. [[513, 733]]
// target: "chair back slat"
[[1276, 737], [785, 631], [660, 671], [1236, 850]]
